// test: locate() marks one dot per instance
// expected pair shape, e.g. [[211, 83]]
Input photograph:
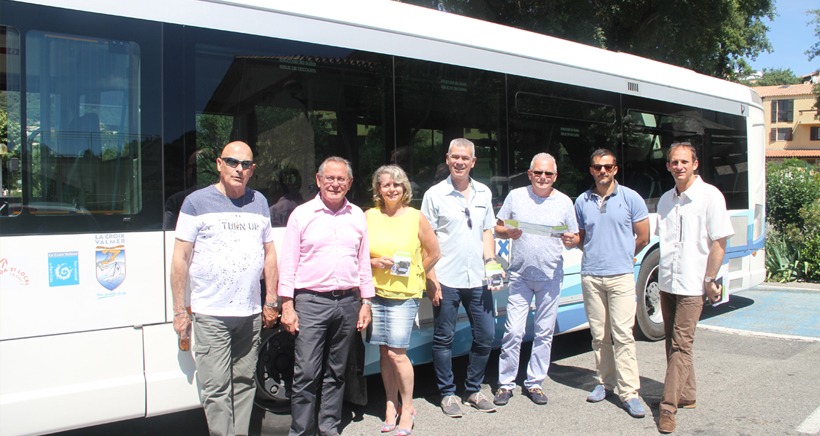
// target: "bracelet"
[[180, 313], [488, 260]]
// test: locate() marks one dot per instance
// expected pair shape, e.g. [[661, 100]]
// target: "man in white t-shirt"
[[223, 246], [693, 227], [536, 272]]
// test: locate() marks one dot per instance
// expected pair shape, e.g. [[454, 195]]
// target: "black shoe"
[[502, 397]]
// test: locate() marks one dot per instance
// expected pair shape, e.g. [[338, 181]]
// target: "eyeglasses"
[[330, 179], [233, 163], [607, 167], [543, 173], [469, 221]]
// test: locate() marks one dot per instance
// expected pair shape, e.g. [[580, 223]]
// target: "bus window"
[[82, 125], [295, 104], [565, 121], [436, 103], [10, 128], [647, 137]]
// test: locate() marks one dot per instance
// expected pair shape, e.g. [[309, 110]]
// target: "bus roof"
[[391, 27]]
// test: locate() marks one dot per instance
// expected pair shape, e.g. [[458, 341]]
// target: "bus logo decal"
[[12, 271], [110, 262], [62, 269]]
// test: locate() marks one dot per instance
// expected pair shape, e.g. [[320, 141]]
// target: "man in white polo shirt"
[[693, 226]]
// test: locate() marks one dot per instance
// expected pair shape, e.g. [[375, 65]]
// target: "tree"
[[775, 76], [814, 52], [712, 37]]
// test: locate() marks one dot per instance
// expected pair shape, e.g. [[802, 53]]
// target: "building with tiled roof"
[[792, 123]]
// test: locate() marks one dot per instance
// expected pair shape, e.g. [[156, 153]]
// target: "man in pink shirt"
[[326, 284]]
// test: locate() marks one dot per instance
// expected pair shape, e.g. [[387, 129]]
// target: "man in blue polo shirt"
[[613, 227]]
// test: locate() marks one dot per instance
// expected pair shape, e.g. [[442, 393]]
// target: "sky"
[[790, 35]]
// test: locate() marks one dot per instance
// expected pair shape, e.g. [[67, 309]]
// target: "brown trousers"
[[680, 317]]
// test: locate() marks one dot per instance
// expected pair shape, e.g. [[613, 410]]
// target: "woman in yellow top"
[[403, 251]]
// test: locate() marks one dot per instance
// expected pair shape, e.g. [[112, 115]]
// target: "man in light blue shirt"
[[536, 271], [614, 227], [460, 211]]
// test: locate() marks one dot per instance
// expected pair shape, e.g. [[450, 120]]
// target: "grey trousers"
[[225, 350], [326, 328]]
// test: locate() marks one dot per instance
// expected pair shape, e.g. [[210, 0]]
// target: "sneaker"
[[537, 396], [450, 407], [691, 405], [480, 402], [502, 397], [598, 394], [634, 408], [666, 423]]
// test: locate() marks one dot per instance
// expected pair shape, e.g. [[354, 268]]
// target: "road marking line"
[[812, 424], [757, 334]]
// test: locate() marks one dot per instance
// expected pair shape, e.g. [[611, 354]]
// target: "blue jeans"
[[478, 303]]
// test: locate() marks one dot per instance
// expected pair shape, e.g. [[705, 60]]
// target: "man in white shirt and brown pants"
[[693, 226]]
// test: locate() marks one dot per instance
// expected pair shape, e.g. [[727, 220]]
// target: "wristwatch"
[[708, 279], [272, 304], [367, 302]]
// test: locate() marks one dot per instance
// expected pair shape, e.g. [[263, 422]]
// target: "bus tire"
[[649, 323], [274, 370]]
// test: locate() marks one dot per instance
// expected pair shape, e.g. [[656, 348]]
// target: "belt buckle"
[[336, 293]]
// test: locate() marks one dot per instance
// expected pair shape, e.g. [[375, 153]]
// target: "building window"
[[814, 134], [782, 111], [782, 134]]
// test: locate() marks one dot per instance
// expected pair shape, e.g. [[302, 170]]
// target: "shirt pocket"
[[690, 228]]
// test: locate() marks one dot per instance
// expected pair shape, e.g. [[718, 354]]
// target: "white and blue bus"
[[111, 111]]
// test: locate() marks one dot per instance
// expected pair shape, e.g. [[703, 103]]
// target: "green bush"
[[793, 215], [790, 186]]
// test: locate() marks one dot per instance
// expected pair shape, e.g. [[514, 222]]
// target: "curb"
[[791, 286]]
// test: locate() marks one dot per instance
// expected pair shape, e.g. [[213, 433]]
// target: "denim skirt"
[[392, 321]]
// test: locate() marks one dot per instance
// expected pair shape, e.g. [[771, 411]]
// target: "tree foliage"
[[814, 50], [713, 37], [793, 215], [775, 76]]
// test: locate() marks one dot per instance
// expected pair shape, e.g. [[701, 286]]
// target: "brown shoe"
[[690, 405], [666, 423]]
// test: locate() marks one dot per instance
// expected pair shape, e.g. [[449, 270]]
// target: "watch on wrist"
[[488, 260], [272, 304], [708, 279], [367, 302]]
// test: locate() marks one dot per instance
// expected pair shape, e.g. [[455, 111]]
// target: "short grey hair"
[[462, 142], [546, 156], [336, 159]]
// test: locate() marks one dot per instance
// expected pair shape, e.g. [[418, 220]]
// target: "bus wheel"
[[648, 313], [274, 370]]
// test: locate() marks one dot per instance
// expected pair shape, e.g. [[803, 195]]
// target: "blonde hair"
[[399, 176]]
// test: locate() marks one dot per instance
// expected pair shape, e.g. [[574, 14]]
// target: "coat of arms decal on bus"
[[110, 262]]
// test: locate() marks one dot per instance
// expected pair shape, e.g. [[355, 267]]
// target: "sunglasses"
[[233, 163], [543, 173], [607, 167], [469, 221]]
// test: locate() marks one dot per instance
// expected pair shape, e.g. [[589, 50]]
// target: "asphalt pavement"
[[756, 356]]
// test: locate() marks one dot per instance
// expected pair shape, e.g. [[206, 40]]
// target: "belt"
[[335, 294]]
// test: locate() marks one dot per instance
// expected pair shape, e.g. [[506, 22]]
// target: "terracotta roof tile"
[[793, 153], [783, 90]]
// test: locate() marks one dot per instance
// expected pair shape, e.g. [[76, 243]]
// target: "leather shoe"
[[666, 423]]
